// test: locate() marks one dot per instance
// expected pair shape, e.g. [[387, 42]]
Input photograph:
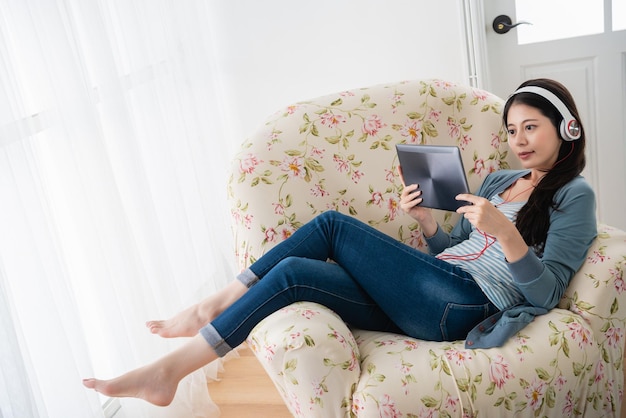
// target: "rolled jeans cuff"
[[215, 340], [248, 278]]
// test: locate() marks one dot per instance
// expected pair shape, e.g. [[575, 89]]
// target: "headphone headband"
[[569, 128]]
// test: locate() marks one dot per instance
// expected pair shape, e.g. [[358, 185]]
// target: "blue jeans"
[[374, 282]]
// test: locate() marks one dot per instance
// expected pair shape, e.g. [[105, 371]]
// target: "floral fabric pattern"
[[337, 152]]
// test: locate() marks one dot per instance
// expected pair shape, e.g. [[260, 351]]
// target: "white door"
[[593, 67]]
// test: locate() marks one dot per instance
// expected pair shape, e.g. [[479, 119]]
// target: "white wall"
[[272, 53]]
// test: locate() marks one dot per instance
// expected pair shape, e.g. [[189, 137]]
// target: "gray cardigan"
[[542, 278]]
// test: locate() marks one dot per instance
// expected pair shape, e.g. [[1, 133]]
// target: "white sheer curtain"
[[112, 195]]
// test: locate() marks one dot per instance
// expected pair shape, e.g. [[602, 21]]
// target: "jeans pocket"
[[458, 320]]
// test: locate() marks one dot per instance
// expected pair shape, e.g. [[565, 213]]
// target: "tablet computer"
[[437, 170]]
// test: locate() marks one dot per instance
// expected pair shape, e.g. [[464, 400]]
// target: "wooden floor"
[[245, 390]]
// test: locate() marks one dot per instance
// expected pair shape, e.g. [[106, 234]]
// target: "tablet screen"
[[437, 170]]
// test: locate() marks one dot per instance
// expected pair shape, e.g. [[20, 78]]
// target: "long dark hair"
[[533, 219]]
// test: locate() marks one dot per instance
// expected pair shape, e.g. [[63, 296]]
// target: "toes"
[[154, 326], [89, 383]]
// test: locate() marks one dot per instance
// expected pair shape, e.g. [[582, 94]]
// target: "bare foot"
[[157, 382], [187, 323], [148, 383], [184, 324]]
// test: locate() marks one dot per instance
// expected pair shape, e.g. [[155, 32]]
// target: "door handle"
[[502, 24]]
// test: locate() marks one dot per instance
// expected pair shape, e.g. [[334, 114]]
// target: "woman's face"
[[532, 137]]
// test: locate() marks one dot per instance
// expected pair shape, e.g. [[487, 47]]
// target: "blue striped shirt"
[[489, 269]]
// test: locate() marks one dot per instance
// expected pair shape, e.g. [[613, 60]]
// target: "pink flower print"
[[410, 345], [279, 208], [342, 165], [385, 343], [270, 235], [443, 84], [248, 163], [331, 120], [357, 175], [357, 406], [560, 382], [247, 221], [377, 199], [295, 405], [286, 233], [294, 336], [492, 165], [403, 367], [495, 140], [479, 165], [318, 390], [454, 129], [534, 393], [429, 413], [387, 407], [347, 94], [354, 362], [614, 336], [292, 109], [597, 257], [236, 215], [458, 356], [580, 334], [317, 152], [618, 273], [412, 131], [416, 240], [392, 205], [480, 95], [452, 403], [396, 101], [269, 351], [372, 125], [599, 372], [464, 142], [318, 191], [294, 166], [395, 97], [272, 138], [308, 313], [390, 176], [499, 371], [340, 339], [434, 115], [568, 408]]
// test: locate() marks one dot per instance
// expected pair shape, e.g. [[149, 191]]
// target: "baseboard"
[[111, 408]]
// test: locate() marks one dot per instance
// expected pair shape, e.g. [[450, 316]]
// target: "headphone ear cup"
[[569, 130]]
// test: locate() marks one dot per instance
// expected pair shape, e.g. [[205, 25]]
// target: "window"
[[619, 15], [560, 19]]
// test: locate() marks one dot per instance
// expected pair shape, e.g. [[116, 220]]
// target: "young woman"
[[513, 251]]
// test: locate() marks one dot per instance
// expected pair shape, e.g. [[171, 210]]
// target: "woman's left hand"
[[484, 215]]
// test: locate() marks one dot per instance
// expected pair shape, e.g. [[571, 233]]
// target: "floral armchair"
[[337, 153]]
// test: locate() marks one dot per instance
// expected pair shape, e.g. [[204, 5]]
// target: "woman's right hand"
[[410, 200]]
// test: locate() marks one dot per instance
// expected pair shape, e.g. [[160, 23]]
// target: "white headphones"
[[570, 128]]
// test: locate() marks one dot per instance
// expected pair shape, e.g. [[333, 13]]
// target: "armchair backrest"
[[338, 152]]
